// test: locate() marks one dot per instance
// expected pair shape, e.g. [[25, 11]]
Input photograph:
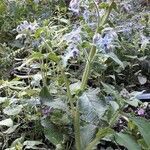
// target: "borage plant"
[[73, 58], [84, 110], [80, 114]]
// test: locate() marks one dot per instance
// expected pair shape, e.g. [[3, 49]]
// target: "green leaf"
[[100, 134], [91, 106], [74, 87], [114, 106], [110, 90], [114, 57], [18, 141], [6, 122], [104, 5], [52, 132], [143, 144], [11, 129], [87, 134], [133, 102], [2, 99], [2, 7], [127, 140], [36, 55], [12, 110], [45, 96], [58, 104], [114, 6], [144, 127], [52, 56], [31, 144]]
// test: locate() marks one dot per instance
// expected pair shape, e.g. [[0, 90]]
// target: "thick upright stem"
[[92, 53], [77, 129], [75, 114]]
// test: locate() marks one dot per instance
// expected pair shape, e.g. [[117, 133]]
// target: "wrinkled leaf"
[[58, 104], [133, 102], [87, 134], [52, 132], [91, 106], [45, 96]]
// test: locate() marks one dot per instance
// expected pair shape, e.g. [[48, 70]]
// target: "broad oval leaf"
[[127, 140], [52, 132], [144, 127], [45, 96], [91, 106], [87, 134]]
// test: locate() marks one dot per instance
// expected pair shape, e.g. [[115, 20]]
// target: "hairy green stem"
[[93, 48], [68, 90], [75, 114], [77, 129]]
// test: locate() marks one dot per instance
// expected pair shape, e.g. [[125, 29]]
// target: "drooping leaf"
[[115, 58], [53, 133], [133, 102], [127, 140], [111, 90], [144, 127], [11, 129], [6, 122], [91, 106]]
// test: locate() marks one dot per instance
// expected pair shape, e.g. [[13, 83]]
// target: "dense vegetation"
[[71, 72]]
